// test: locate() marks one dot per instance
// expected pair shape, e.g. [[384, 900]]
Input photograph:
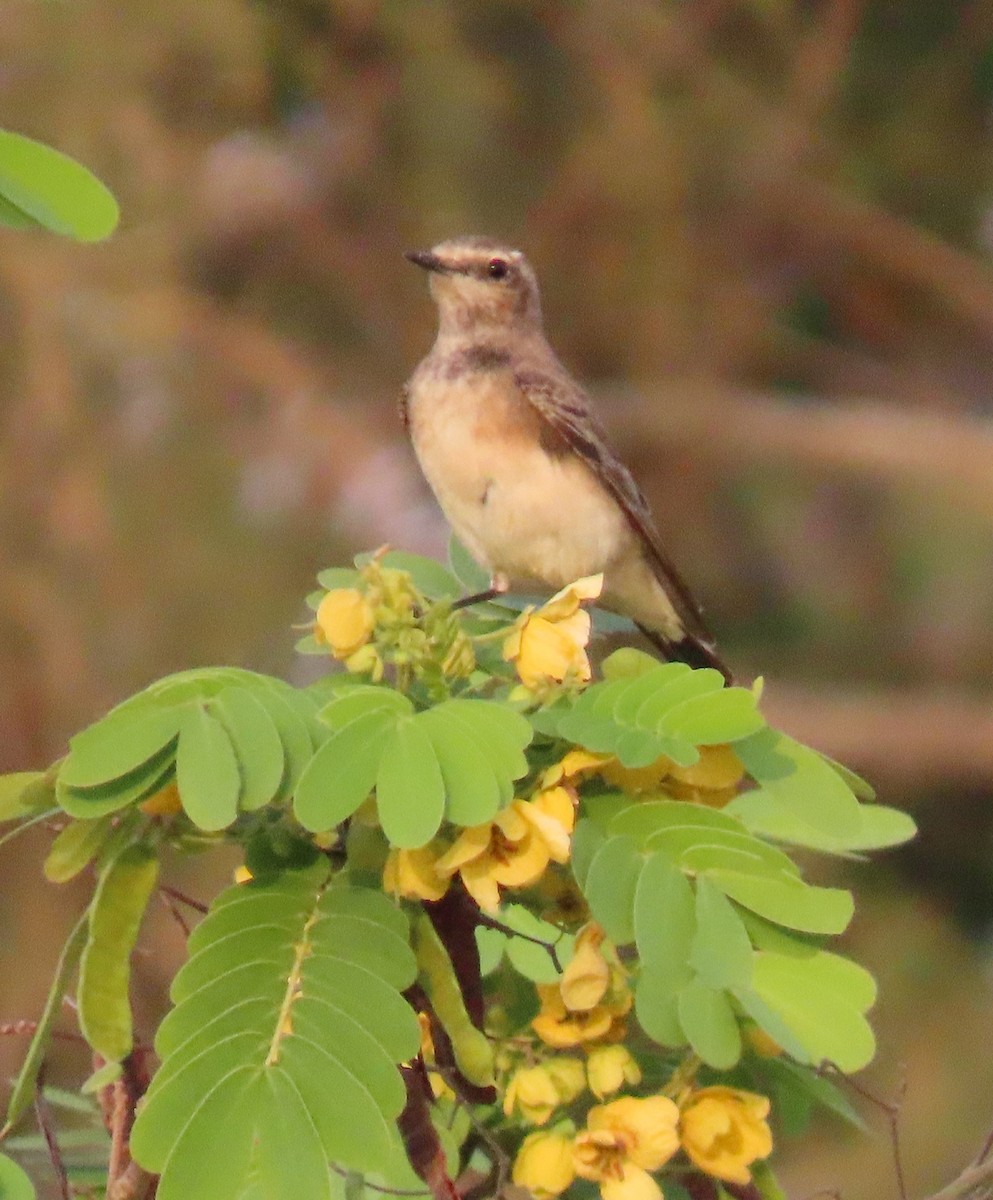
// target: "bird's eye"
[[496, 268]]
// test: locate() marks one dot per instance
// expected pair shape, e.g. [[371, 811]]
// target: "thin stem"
[[45, 1123], [29, 824], [376, 1187], [889, 1108], [550, 947], [176, 894]]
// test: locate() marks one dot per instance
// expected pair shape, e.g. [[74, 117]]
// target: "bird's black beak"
[[427, 260]]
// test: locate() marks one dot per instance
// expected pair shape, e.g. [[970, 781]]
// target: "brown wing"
[[572, 428]]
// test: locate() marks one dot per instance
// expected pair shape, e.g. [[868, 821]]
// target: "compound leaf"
[[291, 1001]]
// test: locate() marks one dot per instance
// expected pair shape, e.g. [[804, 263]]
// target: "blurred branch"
[[975, 1182], [907, 737], [946, 450]]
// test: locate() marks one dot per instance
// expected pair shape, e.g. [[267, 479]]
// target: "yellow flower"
[[623, 1141], [569, 1077], [587, 977], [243, 875], [763, 1045], [635, 780], [514, 848], [544, 1165], [414, 874], [609, 1068], [576, 764], [712, 780], [724, 1129], [549, 644], [533, 1091], [557, 1026], [164, 802], [344, 620]]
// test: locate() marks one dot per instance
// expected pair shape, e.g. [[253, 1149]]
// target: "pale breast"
[[534, 516]]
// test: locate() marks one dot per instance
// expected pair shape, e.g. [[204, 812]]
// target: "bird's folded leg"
[[499, 586]]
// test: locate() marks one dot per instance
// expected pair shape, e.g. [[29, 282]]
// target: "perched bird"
[[518, 461]]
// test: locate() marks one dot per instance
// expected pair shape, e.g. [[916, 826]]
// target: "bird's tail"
[[691, 650]]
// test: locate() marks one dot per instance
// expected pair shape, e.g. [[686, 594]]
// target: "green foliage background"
[[761, 233]]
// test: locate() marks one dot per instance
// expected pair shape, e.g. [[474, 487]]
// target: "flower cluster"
[[712, 780], [384, 619], [591, 1000], [721, 1130]]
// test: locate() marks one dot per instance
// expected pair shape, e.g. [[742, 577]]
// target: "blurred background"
[[764, 231]]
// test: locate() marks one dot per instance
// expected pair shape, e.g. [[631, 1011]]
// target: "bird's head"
[[479, 283]]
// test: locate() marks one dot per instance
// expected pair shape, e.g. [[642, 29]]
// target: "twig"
[[971, 1178], [497, 1155], [176, 894], [28, 1028], [489, 922], [889, 1108], [44, 1115], [174, 912]]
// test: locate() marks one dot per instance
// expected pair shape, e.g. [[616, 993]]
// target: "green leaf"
[[529, 959], [627, 663], [429, 576], [656, 1001], [469, 573], [102, 1077], [19, 794], [610, 887], [91, 802], [501, 733], [338, 577], [14, 1183], [298, 746], [207, 771], [664, 912], [288, 1017], [701, 838], [793, 1078], [343, 772], [257, 745], [410, 790], [23, 1091], [363, 698], [796, 905], [765, 814], [116, 911], [801, 781], [710, 1025], [726, 716], [42, 187], [587, 838], [721, 951], [120, 744], [75, 848], [480, 747], [473, 791], [821, 1000]]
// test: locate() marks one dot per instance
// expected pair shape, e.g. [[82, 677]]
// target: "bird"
[[518, 461]]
